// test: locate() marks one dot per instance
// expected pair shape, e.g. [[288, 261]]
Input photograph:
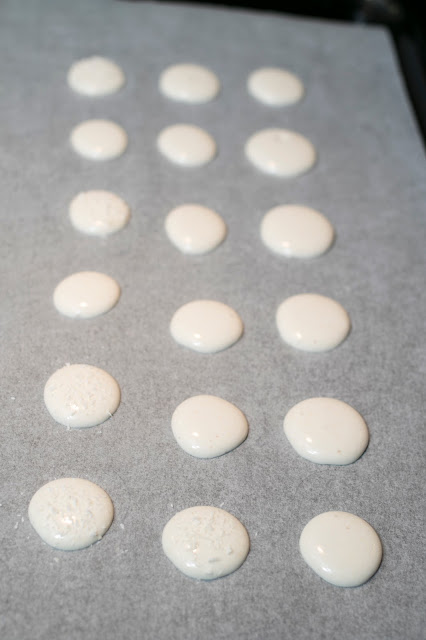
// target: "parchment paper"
[[369, 181]]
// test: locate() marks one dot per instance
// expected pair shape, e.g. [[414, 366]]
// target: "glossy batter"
[[280, 152], [195, 229], [86, 294], [190, 83], [312, 322], [326, 431], [341, 548], [207, 426], [296, 231], [206, 326], [275, 87], [186, 145]]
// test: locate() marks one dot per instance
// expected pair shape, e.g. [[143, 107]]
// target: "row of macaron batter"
[[323, 430]]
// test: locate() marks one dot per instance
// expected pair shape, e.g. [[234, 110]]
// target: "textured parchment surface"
[[369, 181]]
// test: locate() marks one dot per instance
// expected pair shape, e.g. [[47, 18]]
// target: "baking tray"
[[369, 181]]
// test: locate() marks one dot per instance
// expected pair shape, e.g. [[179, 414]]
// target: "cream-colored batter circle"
[[207, 426], [206, 326], [186, 145], [205, 542], [312, 322], [341, 548], [99, 139], [95, 76], [326, 431], [195, 229], [80, 396], [275, 87], [71, 513], [86, 294], [280, 152], [190, 83], [98, 213], [296, 231]]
